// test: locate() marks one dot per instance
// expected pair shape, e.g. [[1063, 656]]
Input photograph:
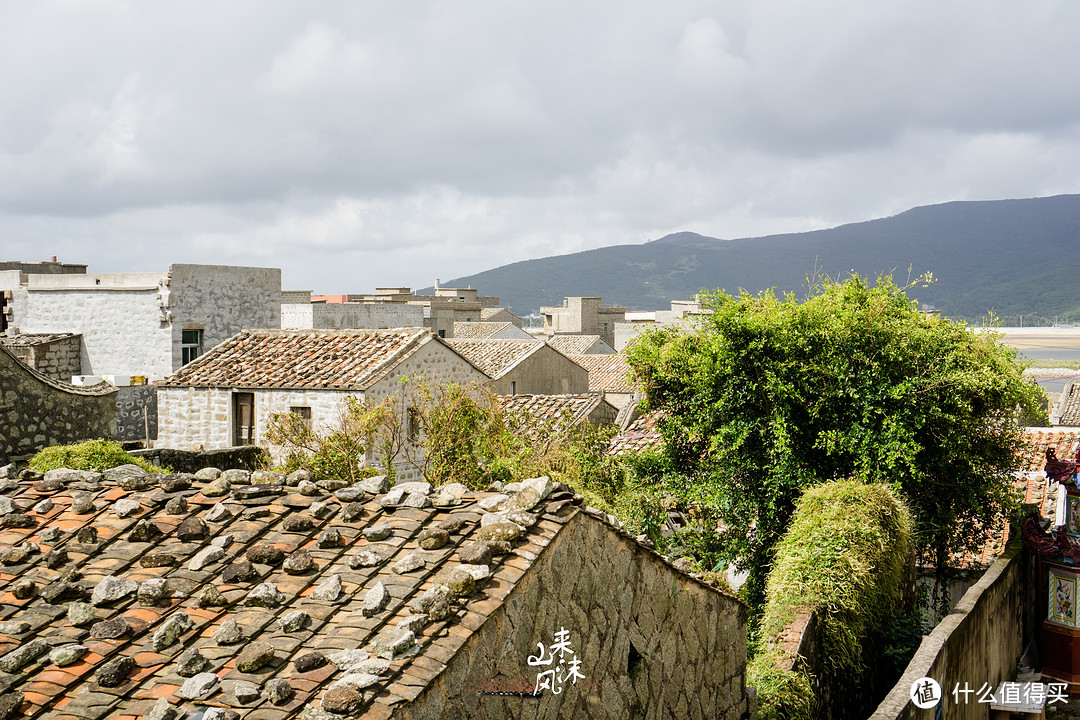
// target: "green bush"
[[844, 558], [96, 455]]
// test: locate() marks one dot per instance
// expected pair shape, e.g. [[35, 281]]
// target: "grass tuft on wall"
[[95, 455], [844, 558]]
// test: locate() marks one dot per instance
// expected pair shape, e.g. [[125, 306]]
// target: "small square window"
[[304, 412], [190, 345]]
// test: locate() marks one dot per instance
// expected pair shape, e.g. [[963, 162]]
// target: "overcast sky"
[[363, 143]]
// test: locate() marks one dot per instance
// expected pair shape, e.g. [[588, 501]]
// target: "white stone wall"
[[436, 363], [191, 418], [199, 417], [221, 300], [122, 328]]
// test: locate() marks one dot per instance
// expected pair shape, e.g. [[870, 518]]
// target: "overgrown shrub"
[[96, 455], [845, 558]]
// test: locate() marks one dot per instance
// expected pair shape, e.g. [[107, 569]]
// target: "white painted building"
[[146, 323], [228, 396]]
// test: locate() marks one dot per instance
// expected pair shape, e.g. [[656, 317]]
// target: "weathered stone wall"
[[36, 412], [653, 643], [57, 359], [136, 413], [545, 372], [190, 418], [979, 642], [436, 363], [244, 457], [221, 300]]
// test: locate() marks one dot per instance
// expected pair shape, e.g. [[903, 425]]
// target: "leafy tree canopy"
[[770, 395]]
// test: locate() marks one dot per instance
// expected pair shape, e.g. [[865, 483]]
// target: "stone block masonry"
[[36, 412], [654, 643]]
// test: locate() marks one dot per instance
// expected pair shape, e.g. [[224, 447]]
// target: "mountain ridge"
[[1013, 256]]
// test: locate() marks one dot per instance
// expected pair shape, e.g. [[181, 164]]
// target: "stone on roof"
[[578, 344], [20, 340], [494, 357], [479, 330], [309, 359], [573, 409], [139, 623], [607, 373], [640, 436]]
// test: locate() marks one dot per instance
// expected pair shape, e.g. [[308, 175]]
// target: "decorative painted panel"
[[1062, 598]]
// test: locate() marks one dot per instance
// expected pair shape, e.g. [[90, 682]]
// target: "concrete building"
[[228, 396], [583, 316], [299, 311], [636, 322], [524, 367], [440, 310]]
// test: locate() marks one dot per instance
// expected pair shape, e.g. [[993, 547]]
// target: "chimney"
[[53, 259], [436, 283]]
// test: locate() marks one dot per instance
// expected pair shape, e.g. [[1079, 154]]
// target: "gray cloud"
[[356, 144]]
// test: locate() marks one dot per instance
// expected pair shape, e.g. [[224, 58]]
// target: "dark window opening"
[[414, 425], [634, 663], [190, 345], [442, 333], [3, 311]]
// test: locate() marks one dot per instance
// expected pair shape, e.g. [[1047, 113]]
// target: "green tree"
[[768, 396]]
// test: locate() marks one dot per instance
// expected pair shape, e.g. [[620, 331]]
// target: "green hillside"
[[1013, 256]]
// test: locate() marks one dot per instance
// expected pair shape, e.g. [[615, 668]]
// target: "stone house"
[[37, 411], [257, 596], [499, 314], [490, 331], [609, 374], [143, 325], [583, 316], [562, 412], [299, 311], [524, 367], [580, 345], [228, 396], [55, 355]]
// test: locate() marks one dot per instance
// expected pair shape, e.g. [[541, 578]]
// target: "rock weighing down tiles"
[[262, 602]]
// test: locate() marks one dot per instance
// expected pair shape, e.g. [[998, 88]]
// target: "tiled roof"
[[607, 373], [490, 312], [1064, 441], [1067, 411], [179, 586], [479, 330], [31, 339], [310, 359], [1033, 487], [494, 357], [545, 408], [641, 435], [574, 344]]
